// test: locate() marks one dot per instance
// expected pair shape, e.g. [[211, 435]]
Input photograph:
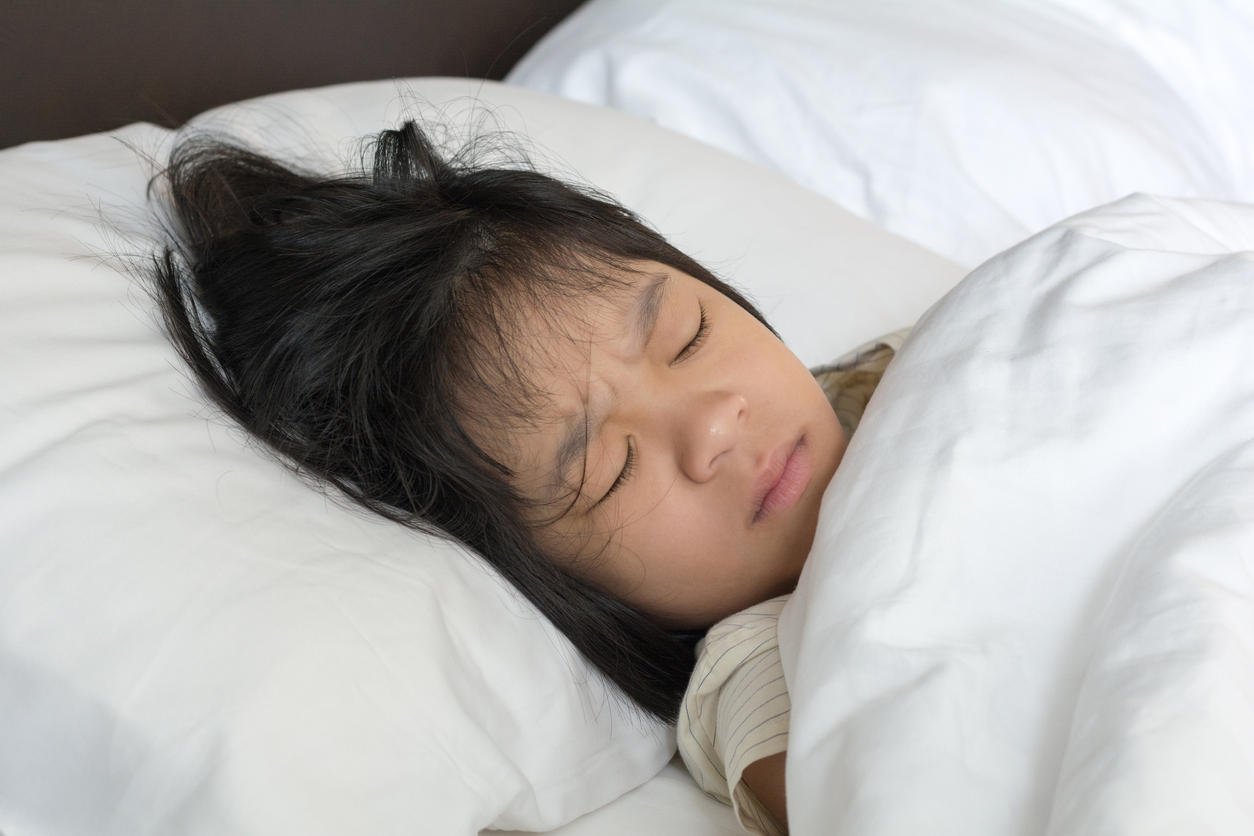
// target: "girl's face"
[[695, 445]]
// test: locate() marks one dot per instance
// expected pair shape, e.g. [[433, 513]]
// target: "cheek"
[[767, 371], [692, 575], [659, 545]]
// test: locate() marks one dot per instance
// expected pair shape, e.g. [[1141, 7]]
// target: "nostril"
[[714, 421]]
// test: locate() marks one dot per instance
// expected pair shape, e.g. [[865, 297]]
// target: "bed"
[[963, 656], [244, 655]]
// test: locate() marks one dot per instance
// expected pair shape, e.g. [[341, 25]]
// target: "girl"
[[733, 725], [516, 363]]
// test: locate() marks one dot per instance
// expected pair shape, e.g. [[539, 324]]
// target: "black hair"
[[348, 321]]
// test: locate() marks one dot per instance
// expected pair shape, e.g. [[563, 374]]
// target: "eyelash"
[[623, 475], [703, 331]]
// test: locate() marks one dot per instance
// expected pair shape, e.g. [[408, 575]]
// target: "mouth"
[[783, 482]]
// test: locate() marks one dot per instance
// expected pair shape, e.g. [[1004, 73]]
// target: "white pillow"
[[192, 640], [964, 125]]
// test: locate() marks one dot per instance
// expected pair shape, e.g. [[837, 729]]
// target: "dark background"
[[70, 67]]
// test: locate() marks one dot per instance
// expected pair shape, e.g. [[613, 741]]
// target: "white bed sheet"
[[670, 804]]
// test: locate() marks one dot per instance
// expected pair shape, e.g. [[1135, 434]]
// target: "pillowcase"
[[964, 125], [192, 639]]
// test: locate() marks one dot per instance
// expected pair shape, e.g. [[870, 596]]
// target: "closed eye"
[[623, 475], [703, 330]]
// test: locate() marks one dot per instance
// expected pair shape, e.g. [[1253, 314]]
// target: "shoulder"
[[871, 354], [736, 709], [850, 380], [733, 643], [759, 620]]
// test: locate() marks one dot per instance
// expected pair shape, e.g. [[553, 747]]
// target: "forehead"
[[630, 323], [536, 350], [565, 339], [560, 332]]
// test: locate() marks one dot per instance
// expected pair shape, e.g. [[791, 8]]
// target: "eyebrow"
[[579, 429], [647, 307]]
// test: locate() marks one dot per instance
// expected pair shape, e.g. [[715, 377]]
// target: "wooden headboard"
[[70, 67]]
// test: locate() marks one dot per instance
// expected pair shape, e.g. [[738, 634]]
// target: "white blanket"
[[1030, 604]]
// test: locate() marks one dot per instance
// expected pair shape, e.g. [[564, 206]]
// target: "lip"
[[785, 478]]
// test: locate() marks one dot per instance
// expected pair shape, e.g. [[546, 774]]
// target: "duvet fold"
[[1030, 604]]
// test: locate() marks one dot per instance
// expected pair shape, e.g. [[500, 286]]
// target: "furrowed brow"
[[574, 447], [580, 428]]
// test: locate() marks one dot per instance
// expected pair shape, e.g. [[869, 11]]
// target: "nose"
[[709, 427]]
